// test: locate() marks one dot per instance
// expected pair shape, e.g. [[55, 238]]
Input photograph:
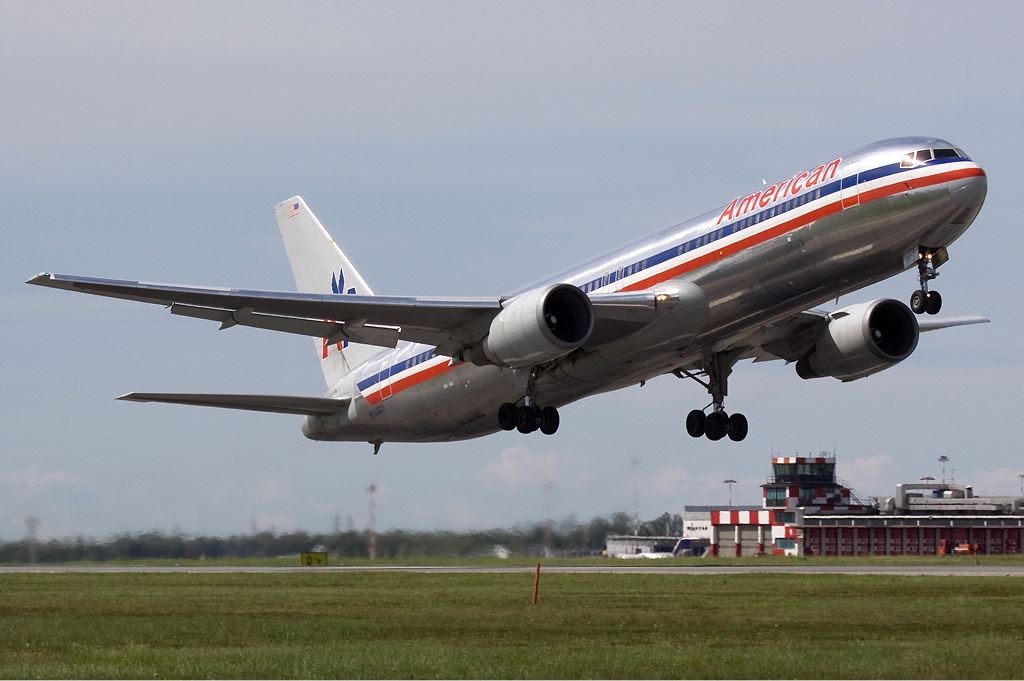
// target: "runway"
[[952, 570]]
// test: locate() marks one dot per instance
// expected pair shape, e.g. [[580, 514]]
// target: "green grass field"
[[482, 625], [292, 561]]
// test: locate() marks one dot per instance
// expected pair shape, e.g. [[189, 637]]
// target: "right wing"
[[792, 338]]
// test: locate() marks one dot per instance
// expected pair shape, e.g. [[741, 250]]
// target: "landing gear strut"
[[528, 417], [923, 300], [717, 424]]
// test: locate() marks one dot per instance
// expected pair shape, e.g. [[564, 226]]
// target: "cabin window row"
[[704, 240]]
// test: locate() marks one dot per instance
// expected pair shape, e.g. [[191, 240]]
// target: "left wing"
[[375, 320], [281, 404], [450, 324]]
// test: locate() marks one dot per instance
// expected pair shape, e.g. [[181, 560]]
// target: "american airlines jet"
[[738, 282]]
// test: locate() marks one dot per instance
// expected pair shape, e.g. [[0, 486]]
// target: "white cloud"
[[869, 475], [519, 466], [278, 522], [274, 489], [994, 482], [32, 480]]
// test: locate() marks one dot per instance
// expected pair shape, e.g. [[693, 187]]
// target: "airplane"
[[741, 281]]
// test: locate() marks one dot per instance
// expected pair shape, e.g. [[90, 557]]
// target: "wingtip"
[[40, 279], [127, 397]]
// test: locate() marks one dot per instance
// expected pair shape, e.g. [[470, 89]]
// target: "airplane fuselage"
[[821, 233]]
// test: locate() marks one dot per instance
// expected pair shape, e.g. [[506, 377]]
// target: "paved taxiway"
[[952, 570]]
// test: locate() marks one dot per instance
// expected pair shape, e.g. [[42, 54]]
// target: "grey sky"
[[460, 149]]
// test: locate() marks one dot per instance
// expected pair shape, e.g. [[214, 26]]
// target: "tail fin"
[[319, 266]]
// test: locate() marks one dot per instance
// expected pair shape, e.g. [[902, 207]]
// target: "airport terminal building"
[[807, 511]]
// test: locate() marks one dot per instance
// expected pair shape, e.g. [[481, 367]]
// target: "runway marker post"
[[536, 583]]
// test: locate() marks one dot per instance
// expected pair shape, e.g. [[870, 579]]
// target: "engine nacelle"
[[538, 326], [861, 340]]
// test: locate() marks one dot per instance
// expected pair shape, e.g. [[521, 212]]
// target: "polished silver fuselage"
[[755, 267]]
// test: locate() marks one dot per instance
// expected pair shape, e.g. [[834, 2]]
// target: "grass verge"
[[374, 625]]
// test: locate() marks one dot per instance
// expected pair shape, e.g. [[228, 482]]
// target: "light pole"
[[730, 482], [943, 459], [1021, 476]]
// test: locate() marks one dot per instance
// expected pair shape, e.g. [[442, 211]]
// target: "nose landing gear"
[[717, 424], [923, 300]]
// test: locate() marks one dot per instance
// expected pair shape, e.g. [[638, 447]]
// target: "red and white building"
[[807, 511]]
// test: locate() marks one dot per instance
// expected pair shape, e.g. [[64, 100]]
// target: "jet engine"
[[861, 340], [538, 326]]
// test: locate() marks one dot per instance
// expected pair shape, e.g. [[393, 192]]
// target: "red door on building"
[[910, 546], [830, 541], [1013, 540], [896, 541]]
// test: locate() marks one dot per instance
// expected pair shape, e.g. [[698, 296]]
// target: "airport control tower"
[[809, 483]]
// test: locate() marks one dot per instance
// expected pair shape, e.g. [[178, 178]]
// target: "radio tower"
[[636, 495], [32, 524], [372, 543]]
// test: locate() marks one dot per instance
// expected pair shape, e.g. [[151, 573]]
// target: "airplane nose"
[[970, 191]]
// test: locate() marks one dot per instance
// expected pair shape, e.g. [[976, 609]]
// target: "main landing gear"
[[923, 300], [528, 417], [717, 424]]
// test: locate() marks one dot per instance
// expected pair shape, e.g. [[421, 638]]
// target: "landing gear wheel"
[[737, 427], [526, 418], [716, 425], [548, 420], [932, 302], [918, 301], [507, 416], [695, 421]]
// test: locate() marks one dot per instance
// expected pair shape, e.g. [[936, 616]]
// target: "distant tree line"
[[564, 538]]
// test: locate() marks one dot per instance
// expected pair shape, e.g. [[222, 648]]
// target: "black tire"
[[526, 419], [507, 416], [737, 427], [918, 301], [716, 425], [549, 420], [933, 302], [695, 423]]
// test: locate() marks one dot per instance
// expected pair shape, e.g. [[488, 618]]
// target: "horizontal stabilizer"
[[283, 404]]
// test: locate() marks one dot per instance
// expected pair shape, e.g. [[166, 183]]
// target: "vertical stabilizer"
[[319, 266]]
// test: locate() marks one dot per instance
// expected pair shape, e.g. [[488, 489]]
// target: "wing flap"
[[334, 332], [281, 404]]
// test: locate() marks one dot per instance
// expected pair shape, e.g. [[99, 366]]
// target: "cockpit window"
[[922, 156]]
